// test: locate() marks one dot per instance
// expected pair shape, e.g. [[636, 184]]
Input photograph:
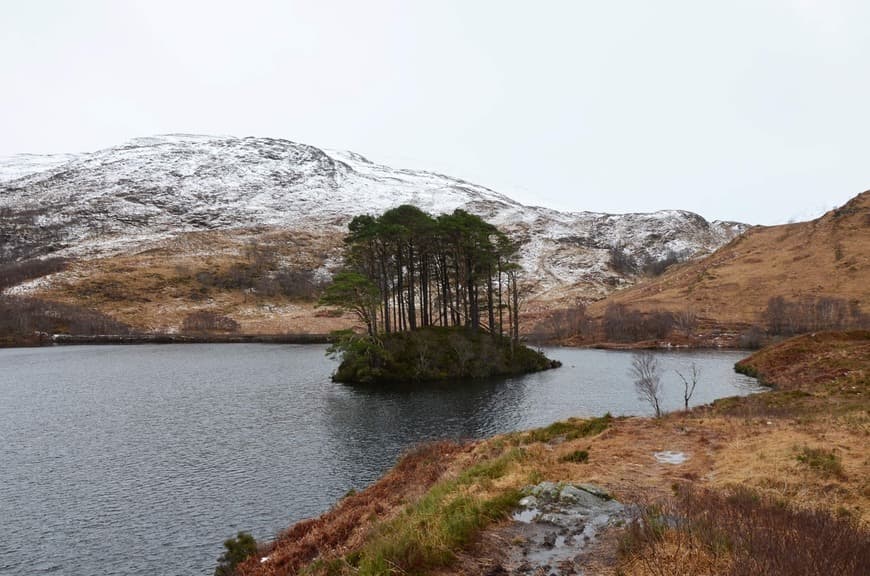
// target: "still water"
[[135, 460]]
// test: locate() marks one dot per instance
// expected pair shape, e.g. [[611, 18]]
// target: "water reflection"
[[397, 416], [590, 383], [141, 460]]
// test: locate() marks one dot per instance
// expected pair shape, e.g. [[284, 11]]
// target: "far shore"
[[70, 339], [37, 340]]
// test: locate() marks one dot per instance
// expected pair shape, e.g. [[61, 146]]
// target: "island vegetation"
[[439, 298]]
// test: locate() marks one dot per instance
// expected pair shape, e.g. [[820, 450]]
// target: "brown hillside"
[[829, 256], [157, 287], [154, 289], [811, 361]]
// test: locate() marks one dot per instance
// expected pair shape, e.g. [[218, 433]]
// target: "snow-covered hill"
[[19, 165], [121, 199]]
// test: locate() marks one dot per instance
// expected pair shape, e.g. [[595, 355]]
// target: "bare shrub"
[[24, 316], [657, 324], [689, 384], [647, 380], [686, 320], [14, 273], [567, 322], [810, 314], [624, 325], [752, 338], [257, 274], [743, 533], [777, 315], [656, 267], [206, 321], [290, 283]]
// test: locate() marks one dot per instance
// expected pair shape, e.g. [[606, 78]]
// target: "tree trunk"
[[500, 303], [516, 307], [412, 306], [489, 303]]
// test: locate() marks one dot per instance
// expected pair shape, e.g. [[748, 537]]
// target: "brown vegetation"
[[822, 362], [21, 318], [205, 321], [621, 324], [14, 273], [763, 479], [827, 258], [810, 314], [736, 532], [346, 526], [261, 278], [815, 272]]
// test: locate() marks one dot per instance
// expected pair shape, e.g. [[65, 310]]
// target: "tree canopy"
[[406, 269]]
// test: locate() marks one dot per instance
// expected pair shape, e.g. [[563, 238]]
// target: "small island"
[[438, 297], [433, 353]]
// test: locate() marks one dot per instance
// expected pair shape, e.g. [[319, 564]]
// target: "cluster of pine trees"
[[406, 269]]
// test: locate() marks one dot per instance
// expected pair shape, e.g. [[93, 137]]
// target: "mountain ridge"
[[156, 192]]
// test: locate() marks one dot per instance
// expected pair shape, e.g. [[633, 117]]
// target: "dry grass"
[[151, 291], [827, 362], [767, 461], [829, 256], [156, 288], [667, 553], [723, 451], [345, 527], [788, 489], [437, 514]]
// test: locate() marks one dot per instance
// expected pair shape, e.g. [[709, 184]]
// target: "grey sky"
[[745, 110]]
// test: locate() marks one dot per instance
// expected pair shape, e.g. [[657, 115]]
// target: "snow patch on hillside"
[[20, 165], [121, 199]]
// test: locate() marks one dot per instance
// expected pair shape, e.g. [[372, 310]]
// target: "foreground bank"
[[782, 476]]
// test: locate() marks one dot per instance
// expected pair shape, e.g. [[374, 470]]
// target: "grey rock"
[[529, 502], [549, 540], [595, 490], [546, 490], [570, 494], [550, 518]]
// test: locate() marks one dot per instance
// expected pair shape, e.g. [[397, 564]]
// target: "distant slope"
[[21, 165], [142, 221], [113, 201], [829, 256]]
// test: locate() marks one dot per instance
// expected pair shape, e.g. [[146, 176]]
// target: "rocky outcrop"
[[555, 527]]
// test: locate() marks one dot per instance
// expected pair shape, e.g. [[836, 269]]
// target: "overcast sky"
[[753, 110]]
